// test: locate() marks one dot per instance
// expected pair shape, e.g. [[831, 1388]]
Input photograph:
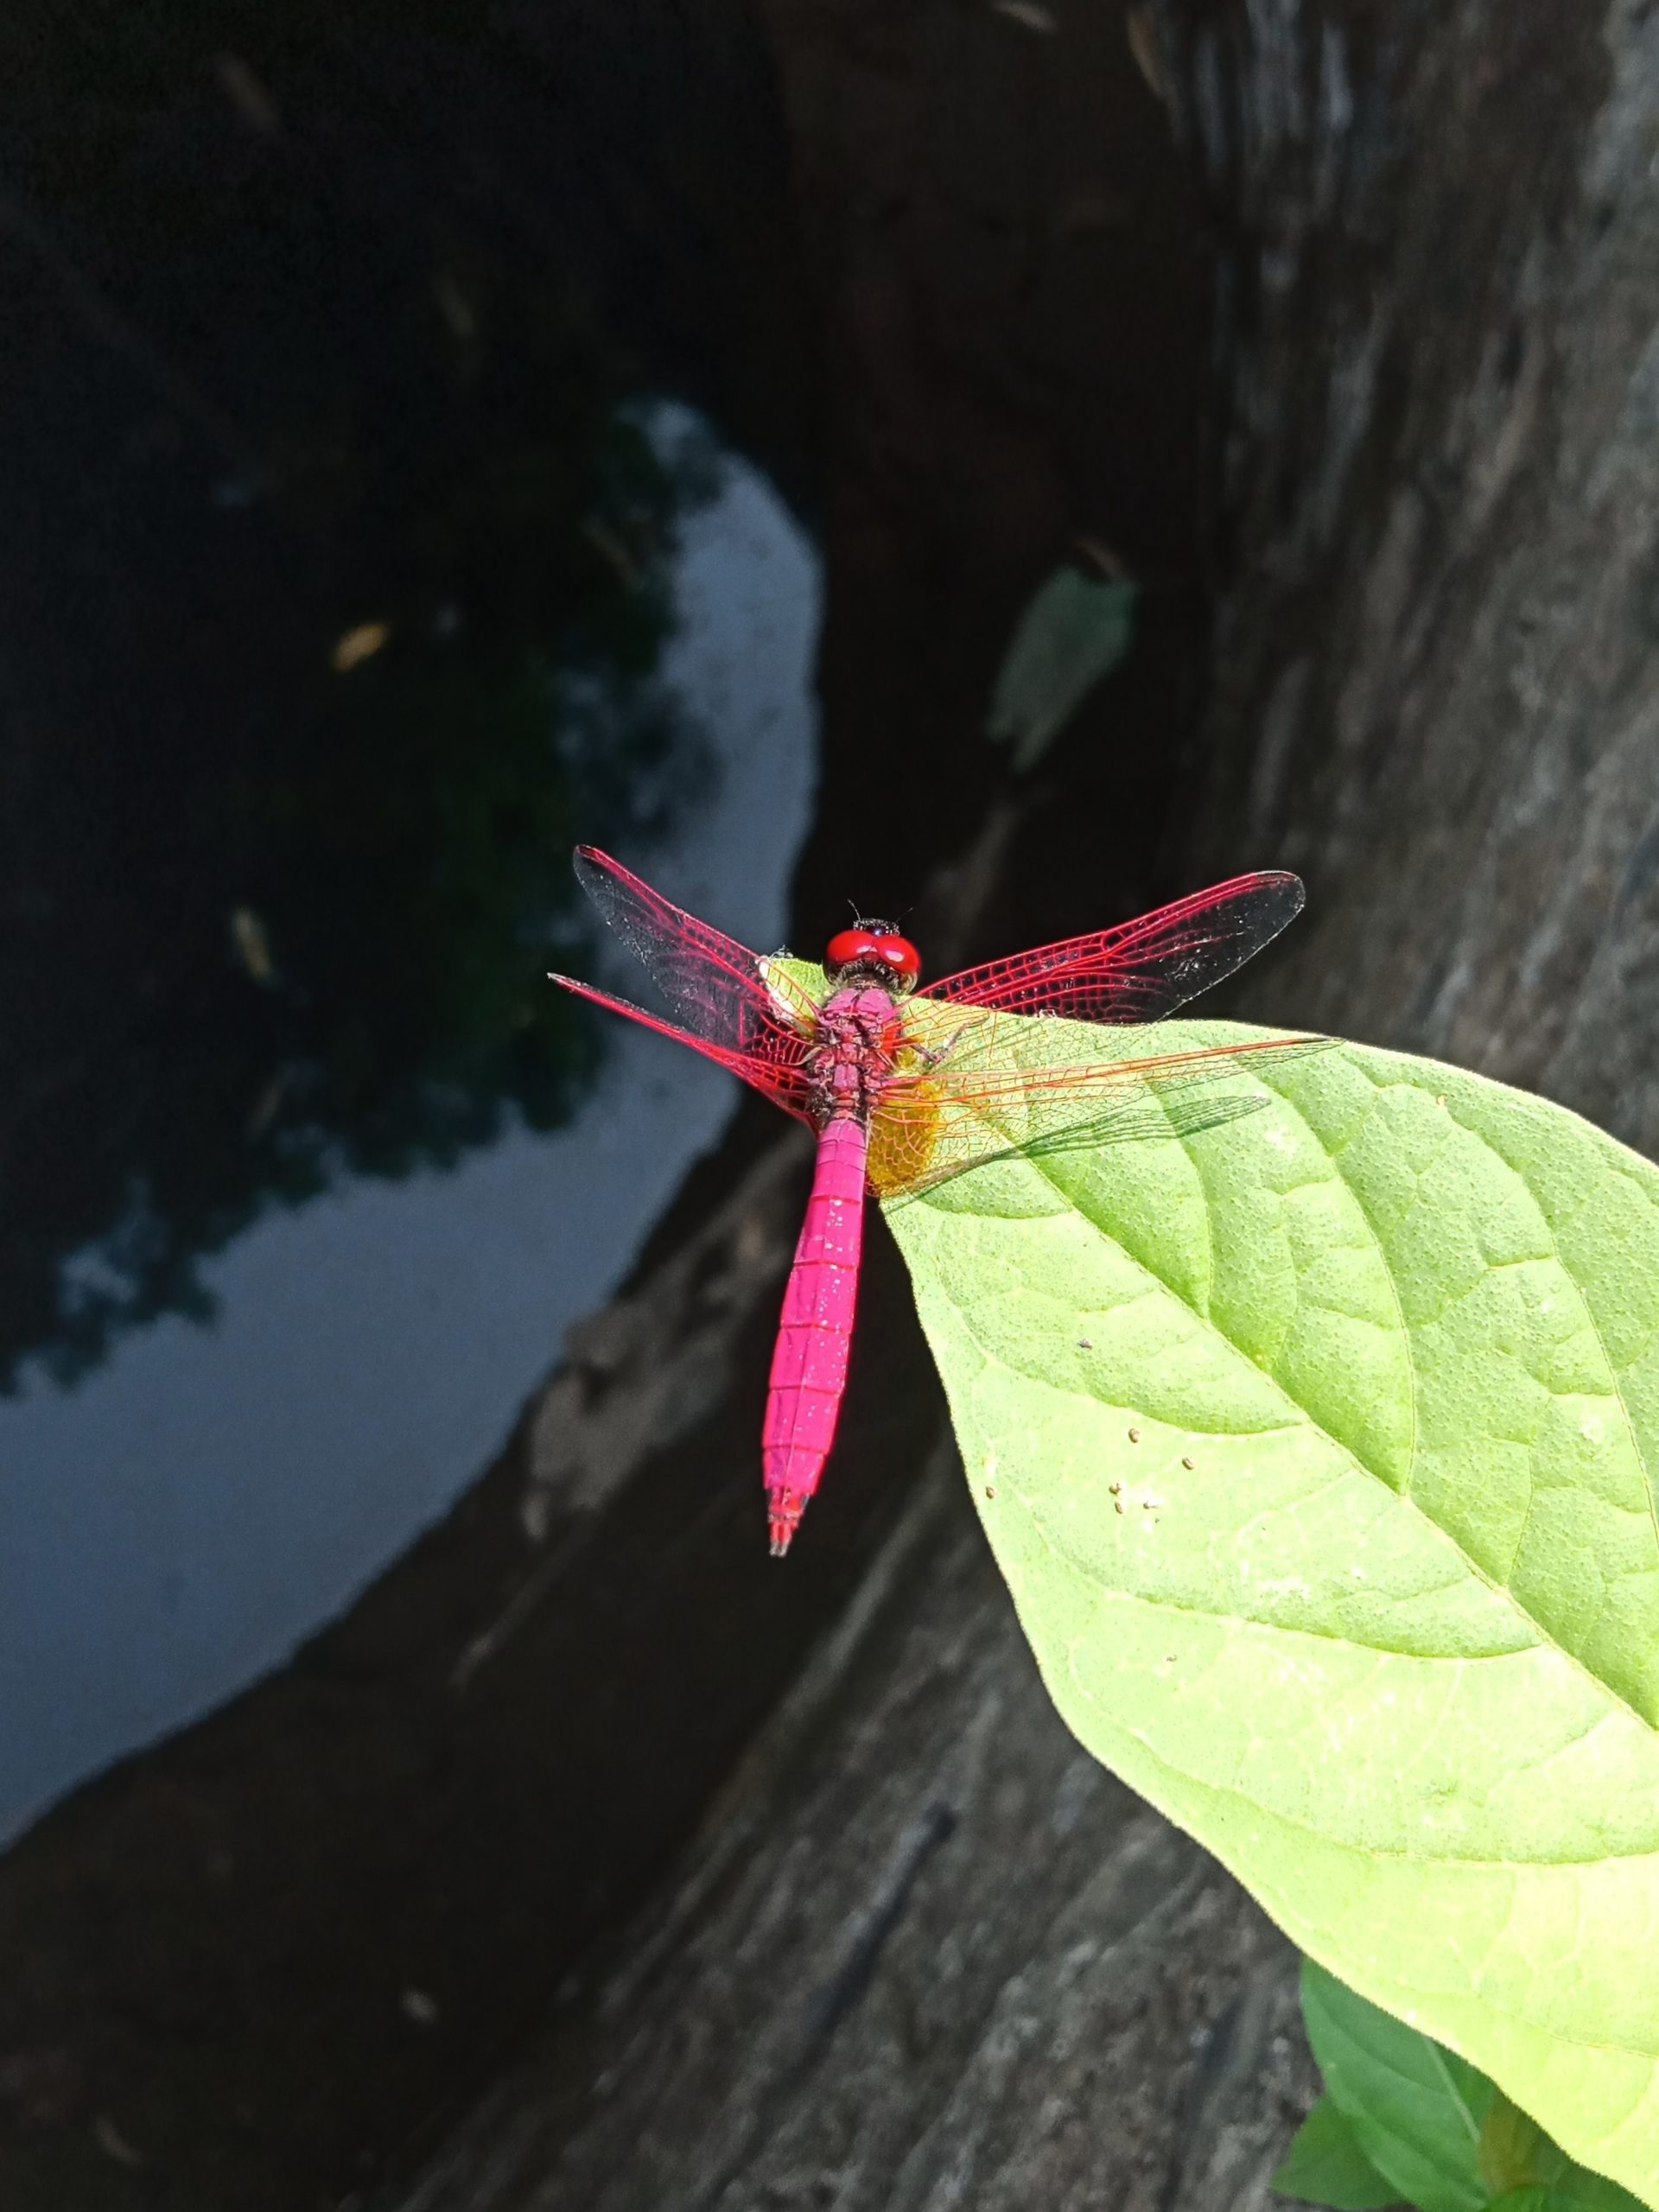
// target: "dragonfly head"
[[873, 952]]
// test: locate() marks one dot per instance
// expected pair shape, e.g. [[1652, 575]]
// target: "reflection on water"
[[172, 1525], [263, 935]]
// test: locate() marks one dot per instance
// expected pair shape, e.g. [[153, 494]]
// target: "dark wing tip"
[[1285, 896], [1288, 885]]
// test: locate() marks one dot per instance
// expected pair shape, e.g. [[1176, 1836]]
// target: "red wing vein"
[[713, 984], [781, 1081], [1142, 968]]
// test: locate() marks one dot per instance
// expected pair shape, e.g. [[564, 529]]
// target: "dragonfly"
[[905, 1086]]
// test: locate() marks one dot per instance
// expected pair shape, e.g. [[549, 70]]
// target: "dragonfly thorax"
[[852, 1053]]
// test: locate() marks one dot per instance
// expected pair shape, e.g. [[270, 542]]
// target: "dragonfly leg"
[[928, 1057]]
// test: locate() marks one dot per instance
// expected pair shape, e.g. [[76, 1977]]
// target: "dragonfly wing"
[[783, 1081], [1141, 970], [976, 1104], [715, 987], [957, 1148]]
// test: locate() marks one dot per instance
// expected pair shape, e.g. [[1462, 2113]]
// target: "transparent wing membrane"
[[896, 1175], [733, 1007], [963, 1111], [715, 987], [785, 1085]]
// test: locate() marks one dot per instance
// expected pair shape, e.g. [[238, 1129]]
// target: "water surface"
[[175, 1522]]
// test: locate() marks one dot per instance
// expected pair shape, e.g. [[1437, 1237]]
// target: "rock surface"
[[923, 1952]]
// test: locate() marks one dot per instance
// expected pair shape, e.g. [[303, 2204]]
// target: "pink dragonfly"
[[906, 1087]]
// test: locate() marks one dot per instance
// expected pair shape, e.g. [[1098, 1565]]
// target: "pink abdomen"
[[809, 1367]]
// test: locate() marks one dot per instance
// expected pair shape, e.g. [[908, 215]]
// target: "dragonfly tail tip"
[[784, 1518]]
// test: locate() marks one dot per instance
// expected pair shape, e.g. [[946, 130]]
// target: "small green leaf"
[[1416, 2108], [1074, 633], [1515, 2152], [1423, 2119], [1319, 1449], [1327, 2166], [1577, 2191]]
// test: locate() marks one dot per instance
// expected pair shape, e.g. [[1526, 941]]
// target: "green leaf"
[[1318, 1449], [1428, 2127], [1515, 2153], [1416, 2108], [1073, 632], [1327, 2166], [1577, 2191]]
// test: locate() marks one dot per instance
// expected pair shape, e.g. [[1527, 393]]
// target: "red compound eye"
[[847, 947], [901, 954]]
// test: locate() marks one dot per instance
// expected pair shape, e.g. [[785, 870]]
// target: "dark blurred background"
[[370, 539], [428, 437]]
